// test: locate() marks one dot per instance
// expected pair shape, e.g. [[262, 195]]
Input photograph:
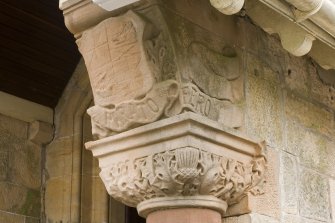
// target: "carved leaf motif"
[[184, 172]]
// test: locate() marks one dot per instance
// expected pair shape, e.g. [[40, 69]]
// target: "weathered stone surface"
[[332, 197], [258, 218], [320, 90], [313, 196], [314, 150], [31, 220], [59, 157], [3, 165], [289, 185], [264, 103], [25, 165], [306, 220], [250, 218], [19, 200], [7, 217], [268, 203], [240, 219], [289, 218], [310, 115], [296, 74], [14, 126], [94, 200], [58, 199]]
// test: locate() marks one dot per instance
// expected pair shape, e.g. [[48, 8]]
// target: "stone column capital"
[[180, 162]]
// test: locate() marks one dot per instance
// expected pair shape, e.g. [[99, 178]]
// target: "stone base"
[[147, 207], [185, 215]]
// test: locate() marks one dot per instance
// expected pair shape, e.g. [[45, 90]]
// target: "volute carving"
[[183, 172]]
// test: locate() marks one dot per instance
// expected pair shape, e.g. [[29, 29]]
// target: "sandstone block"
[[289, 187], [19, 200], [31, 220], [310, 115], [3, 165], [13, 126], [58, 199], [296, 74], [264, 103], [6, 217], [332, 197], [314, 150], [25, 165], [288, 218], [59, 157], [320, 90], [314, 196], [269, 203]]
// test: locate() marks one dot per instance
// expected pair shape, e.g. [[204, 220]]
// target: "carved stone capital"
[[183, 161]]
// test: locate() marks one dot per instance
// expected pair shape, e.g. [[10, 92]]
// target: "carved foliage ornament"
[[185, 171]]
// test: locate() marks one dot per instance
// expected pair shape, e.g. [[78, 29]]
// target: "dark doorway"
[[132, 216]]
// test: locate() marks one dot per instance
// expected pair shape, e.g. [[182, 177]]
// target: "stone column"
[[166, 113]]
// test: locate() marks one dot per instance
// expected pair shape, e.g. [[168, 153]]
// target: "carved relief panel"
[[143, 69]]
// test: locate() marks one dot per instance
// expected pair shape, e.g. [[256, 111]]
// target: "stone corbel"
[[40, 133], [293, 38], [227, 7], [305, 9]]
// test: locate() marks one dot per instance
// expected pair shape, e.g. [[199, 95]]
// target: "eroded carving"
[[115, 59], [131, 71], [193, 99], [185, 171], [213, 72], [158, 101]]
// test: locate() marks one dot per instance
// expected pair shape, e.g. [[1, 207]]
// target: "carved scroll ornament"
[[183, 172]]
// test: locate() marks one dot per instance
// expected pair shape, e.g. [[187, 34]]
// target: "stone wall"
[[20, 173], [291, 106]]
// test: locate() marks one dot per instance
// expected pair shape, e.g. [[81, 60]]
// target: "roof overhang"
[[304, 26]]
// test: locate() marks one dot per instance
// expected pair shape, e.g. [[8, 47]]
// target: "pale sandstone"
[[296, 75], [288, 218], [264, 103], [321, 90], [332, 197], [268, 203], [313, 196], [308, 114], [58, 199], [59, 157], [289, 185], [314, 150], [240, 219]]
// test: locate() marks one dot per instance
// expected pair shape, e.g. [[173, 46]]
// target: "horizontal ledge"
[[186, 124], [24, 110]]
